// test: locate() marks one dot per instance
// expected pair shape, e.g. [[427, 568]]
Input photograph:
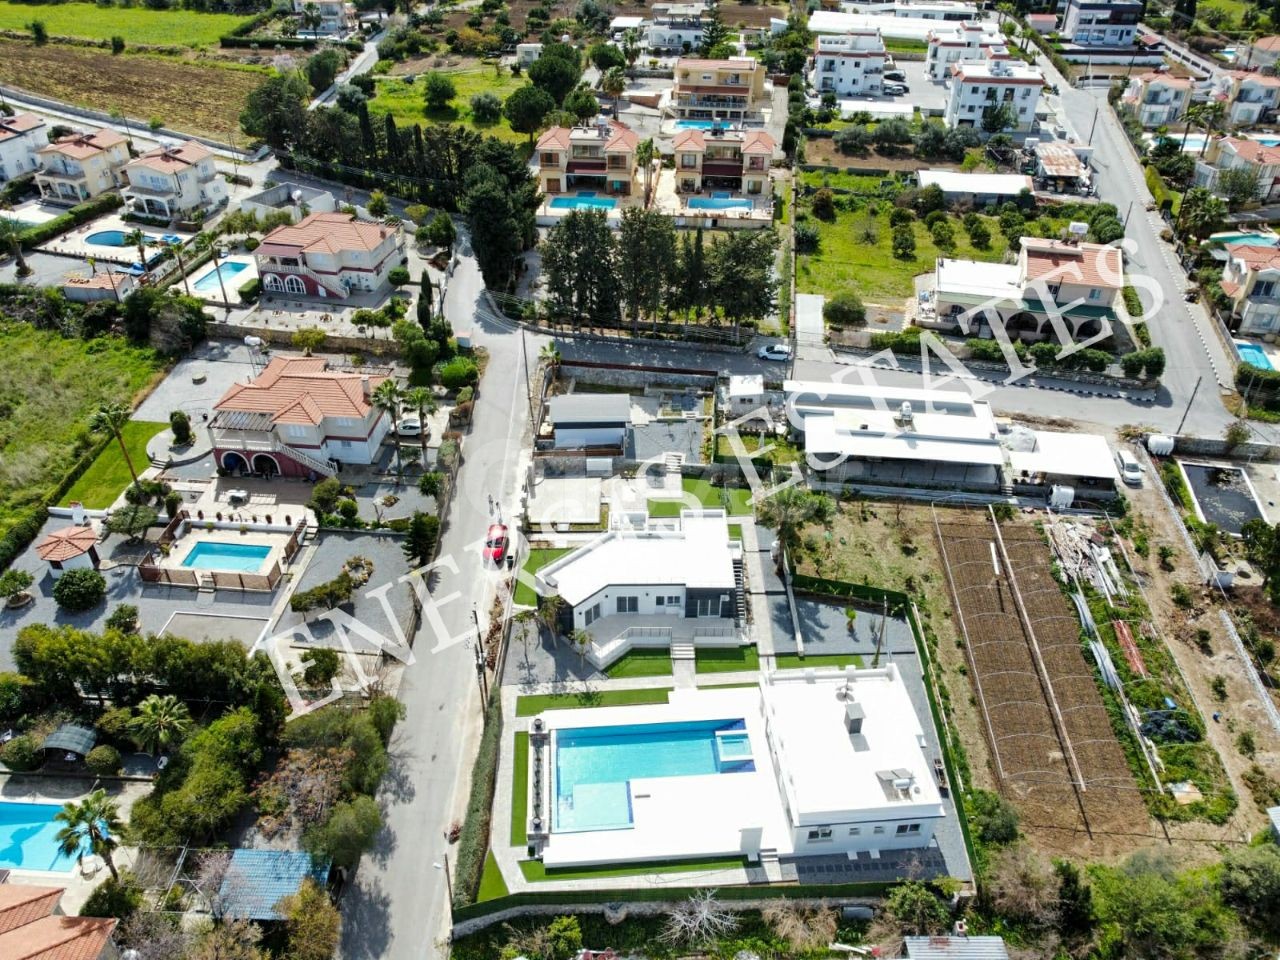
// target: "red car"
[[496, 543]]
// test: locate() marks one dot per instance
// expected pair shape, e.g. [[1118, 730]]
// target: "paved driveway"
[[221, 362]]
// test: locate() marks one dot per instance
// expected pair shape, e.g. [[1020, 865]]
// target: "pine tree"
[[424, 302], [420, 538], [392, 148], [367, 137]]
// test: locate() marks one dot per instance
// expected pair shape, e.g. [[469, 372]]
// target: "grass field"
[[520, 791], [793, 661], [642, 663], [404, 101], [108, 475], [492, 885], [707, 496], [48, 387], [534, 704], [195, 97], [537, 560], [170, 28], [534, 871], [727, 660]]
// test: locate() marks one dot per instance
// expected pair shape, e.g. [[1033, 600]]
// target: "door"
[[553, 186]]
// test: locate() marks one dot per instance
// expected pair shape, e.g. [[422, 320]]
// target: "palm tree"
[[644, 157], [160, 723], [631, 47], [311, 17], [424, 401], [111, 418], [176, 249], [209, 242], [549, 608], [94, 820], [138, 239], [550, 354], [613, 83], [581, 640], [387, 397], [10, 231]]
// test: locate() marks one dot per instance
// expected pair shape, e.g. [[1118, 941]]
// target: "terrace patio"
[[712, 206]]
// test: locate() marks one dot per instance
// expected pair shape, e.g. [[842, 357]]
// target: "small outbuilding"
[[103, 285], [590, 420], [746, 393], [69, 548], [257, 880]]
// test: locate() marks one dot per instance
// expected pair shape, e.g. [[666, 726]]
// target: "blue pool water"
[[702, 124], [584, 200], [595, 765], [114, 238], [1266, 139], [719, 203], [241, 557], [28, 837], [1257, 239], [1254, 354], [208, 282]]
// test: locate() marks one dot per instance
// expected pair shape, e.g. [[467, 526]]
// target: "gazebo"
[[69, 548], [70, 742]]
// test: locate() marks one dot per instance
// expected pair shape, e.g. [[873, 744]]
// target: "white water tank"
[[1160, 444], [1061, 497]]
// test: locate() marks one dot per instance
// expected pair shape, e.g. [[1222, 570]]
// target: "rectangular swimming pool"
[[719, 203], [594, 766], [1254, 354], [583, 200], [209, 283], [29, 837], [238, 557]]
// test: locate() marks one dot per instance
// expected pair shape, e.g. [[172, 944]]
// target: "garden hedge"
[[80, 213], [473, 842], [21, 534]]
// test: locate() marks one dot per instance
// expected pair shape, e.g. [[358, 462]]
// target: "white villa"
[[963, 41], [329, 256], [811, 763], [850, 64], [656, 583], [80, 166], [677, 27], [22, 136], [1000, 80], [174, 182], [336, 16]]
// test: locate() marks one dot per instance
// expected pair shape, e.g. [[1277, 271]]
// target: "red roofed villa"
[[31, 929], [598, 157], [298, 418], [1251, 278], [329, 256]]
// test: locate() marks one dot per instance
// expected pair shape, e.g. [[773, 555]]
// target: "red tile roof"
[[693, 63], [58, 938], [1252, 150], [556, 138], [690, 140], [621, 137], [1270, 44], [105, 280], [173, 159], [1088, 264], [1165, 80], [329, 232], [66, 543], [1243, 75], [758, 141], [83, 145], [18, 124], [1255, 256], [21, 904], [302, 390]]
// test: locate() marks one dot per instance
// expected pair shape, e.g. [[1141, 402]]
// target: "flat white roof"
[[827, 771], [818, 394], [626, 23], [1000, 184], [876, 435], [696, 555], [988, 280], [877, 108], [746, 385], [1066, 454], [901, 28]]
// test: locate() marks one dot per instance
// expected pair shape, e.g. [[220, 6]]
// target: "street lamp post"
[[481, 679]]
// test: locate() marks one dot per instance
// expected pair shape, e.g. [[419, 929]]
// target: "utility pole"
[[1094, 126], [448, 880], [528, 389], [481, 680], [1194, 389]]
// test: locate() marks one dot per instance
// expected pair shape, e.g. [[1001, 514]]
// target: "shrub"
[[347, 833], [441, 231], [79, 590], [21, 754], [486, 108], [995, 819], [124, 618], [944, 237], [900, 216], [469, 859], [824, 204], [103, 760], [325, 495], [904, 242], [117, 45], [15, 693], [250, 291], [808, 239], [458, 373], [324, 666], [845, 309], [398, 276], [21, 534], [251, 244], [180, 424], [114, 898], [80, 213]]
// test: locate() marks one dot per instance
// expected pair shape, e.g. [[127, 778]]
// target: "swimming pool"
[[29, 837], [116, 238], [594, 766], [1266, 139], [719, 203], [1254, 354], [208, 282], [212, 555], [1257, 239], [703, 124], [584, 200]]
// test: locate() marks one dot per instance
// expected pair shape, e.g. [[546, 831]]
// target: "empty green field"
[[641, 663], [534, 871], [520, 791], [727, 660], [405, 102], [108, 475], [793, 661], [169, 28], [736, 499], [536, 560]]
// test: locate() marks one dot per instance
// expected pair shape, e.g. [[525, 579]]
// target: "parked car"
[[897, 75], [1130, 468], [774, 351], [409, 427], [893, 89], [496, 543]]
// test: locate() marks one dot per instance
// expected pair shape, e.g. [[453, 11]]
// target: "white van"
[[1130, 469]]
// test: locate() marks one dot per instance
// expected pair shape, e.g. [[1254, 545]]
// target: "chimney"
[[853, 716], [364, 386]]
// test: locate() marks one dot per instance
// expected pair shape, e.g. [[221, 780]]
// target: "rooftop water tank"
[[1160, 444]]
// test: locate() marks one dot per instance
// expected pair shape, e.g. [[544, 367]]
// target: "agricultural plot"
[[195, 97], [177, 28]]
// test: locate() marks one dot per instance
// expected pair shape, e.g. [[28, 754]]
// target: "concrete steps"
[[683, 650]]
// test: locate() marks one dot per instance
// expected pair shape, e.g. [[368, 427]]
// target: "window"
[[659, 600], [706, 607], [591, 615], [1264, 288], [295, 431], [819, 834], [673, 601], [1095, 294], [628, 604], [879, 829], [855, 831], [905, 829], [688, 160]]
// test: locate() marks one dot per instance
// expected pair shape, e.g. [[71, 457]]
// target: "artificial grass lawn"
[[534, 871], [48, 387], [404, 100], [727, 659], [708, 496], [108, 475], [182, 28], [534, 704], [520, 792], [735, 531], [536, 560], [641, 663], [492, 885], [793, 661]]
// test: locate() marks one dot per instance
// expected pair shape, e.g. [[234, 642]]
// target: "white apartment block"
[[336, 16], [677, 27], [1101, 23], [978, 87], [849, 65], [965, 41], [914, 9], [21, 137]]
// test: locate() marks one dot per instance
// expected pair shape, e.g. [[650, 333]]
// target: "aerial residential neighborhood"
[[560, 480]]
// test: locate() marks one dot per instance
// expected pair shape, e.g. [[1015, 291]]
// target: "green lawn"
[[793, 661], [735, 531], [48, 387], [534, 871], [534, 704], [107, 476], [641, 663], [520, 792], [536, 560], [404, 100], [708, 496], [492, 886], [179, 28], [727, 659]]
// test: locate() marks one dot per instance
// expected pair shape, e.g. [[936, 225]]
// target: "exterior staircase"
[[740, 592], [673, 462], [322, 467], [683, 650]]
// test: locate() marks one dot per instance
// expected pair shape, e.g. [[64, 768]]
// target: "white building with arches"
[[329, 256]]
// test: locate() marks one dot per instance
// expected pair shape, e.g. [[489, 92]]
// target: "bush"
[[79, 590], [398, 276], [21, 754], [994, 818], [980, 235], [324, 666], [21, 534], [441, 231], [80, 213], [845, 309], [486, 108], [180, 424], [113, 898], [458, 373], [431, 483], [124, 618], [824, 204], [808, 239], [103, 760], [15, 694], [472, 843], [250, 291], [325, 495]]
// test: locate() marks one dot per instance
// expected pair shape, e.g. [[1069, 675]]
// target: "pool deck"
[[74, 243], [214, 293], [1270, 350], [275, 542]]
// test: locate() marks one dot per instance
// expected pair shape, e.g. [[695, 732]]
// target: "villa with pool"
[[802, 764], [587, 166]]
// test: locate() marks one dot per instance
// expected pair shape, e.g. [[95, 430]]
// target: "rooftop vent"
[[853, 717]]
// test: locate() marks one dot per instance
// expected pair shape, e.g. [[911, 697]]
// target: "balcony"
[[722, 168], [585, 166], [142, 190], [64, 176]]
